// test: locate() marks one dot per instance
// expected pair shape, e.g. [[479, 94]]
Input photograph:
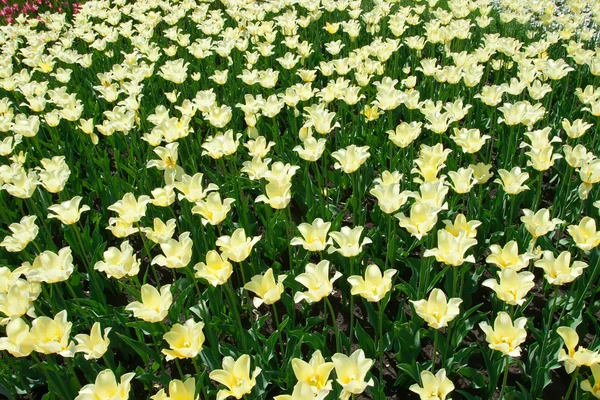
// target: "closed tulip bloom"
[[316, 280], [68, 212], [23, 232], [539, 223], [351, 372], [405, 133], [315, 373], [50, 267], [119, 262], [586, 385], [257, 168], [559, 270], [513, 181], [106, 387], [276, 195], [235, 375], [213, 210], [130, 209], [265, 287], [154, 305], [237, 247], [348, 241], [513, 286], [216, 270], [350, 158], [314, 235], [178, 390], [374, 286], [51, 336], [302, 391], [185, 341], [435, 387], [18, 340], [93, 345], [508, 256], [177, 253], [451, 250], [585, 235], [575, 356], [505, 336], [437, 311]]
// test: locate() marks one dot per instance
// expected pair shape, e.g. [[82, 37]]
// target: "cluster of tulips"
[[300, 199]]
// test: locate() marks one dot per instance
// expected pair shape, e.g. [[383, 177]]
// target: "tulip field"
[[300, 199]]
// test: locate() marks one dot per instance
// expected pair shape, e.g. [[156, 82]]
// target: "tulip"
[[161, 232], [18, 339], [235, 375], [508, 256], [177, 253], [130, 209], [93, 345], [68, 212], [237, 247], [374, 286], [539, 223], [451, 250], [23, 232], [316, 280], [513, 286], [213, 210], [216, 270], [505, 336], [314, 235], [265, 287], [559, 271], [119, 262], [51, 336], [435, 387], [154, 305], [575, 356], [586, 386], [585, 235], [107, 388], [315, 373], [348, 241], [436, 310], [185, 341], [351, 372], [350, 158], [178, 390]]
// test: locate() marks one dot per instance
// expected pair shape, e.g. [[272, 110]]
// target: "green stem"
[[381, 349], [504, 379], [148, 255], [572, 384], [434, 355], [276, 318], [236, 313], [335, 328], [351, 328]]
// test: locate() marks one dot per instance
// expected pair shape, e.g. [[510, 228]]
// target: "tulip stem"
[[276, 318], [434, 354], [547, 331], [381, 349], [236, 313], [334, 324], [351, 328], [148, 255], [572, 384], [505, 379]]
